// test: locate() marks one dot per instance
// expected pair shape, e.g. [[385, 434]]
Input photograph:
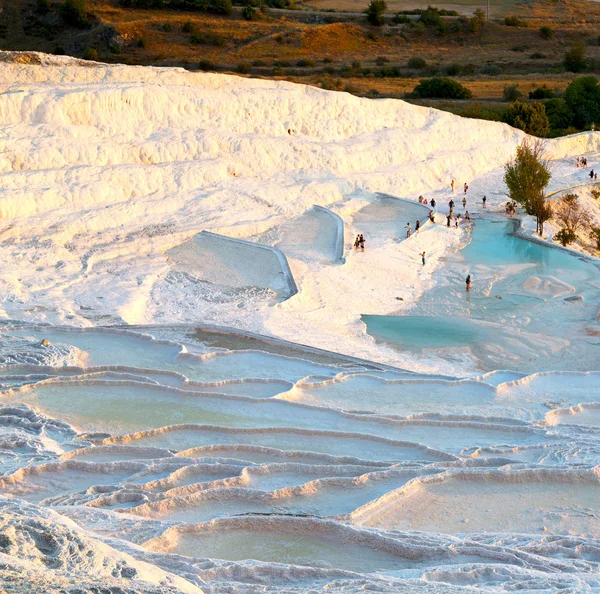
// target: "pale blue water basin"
[[529, 308]]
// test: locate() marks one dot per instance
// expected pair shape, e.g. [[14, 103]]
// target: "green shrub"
[[537, 56], [375, 12], [513, 21], [258, 64], [167, 28], [542, 93], [529, 117], [583, 98], [417, 63], [75, 13], [431, 17], [249, 13], [419, 29], [91, 54], [546, 32], [453, 69], [400, 19], [518, 48], [565, 237], [511, 93], [491, 69], [575, 60], [306, 63], [559, 114], [188, 27], [441, 88], [381, 60], [595, 236], [244, 68], [595, 193]]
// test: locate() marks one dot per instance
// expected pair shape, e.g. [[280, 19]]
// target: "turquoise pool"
[[520, 310]]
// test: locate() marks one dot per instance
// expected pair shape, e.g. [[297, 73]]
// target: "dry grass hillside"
[[325, 49]]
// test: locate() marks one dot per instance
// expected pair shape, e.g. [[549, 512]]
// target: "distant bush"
[[529, 117], [206, 65], [575, 60], [546, 32], [453, 69], [188, 27], [491, 69], [431, 17], [258, 64], [513, 21], [91, 54], [537, 56], [244, 68], [375, 12], [75, 13], [305, 63], [417, 63], [141, 42], [542, 93], [518, 48], [595, 193], [59, 50], [201, 38], [392, 72], [373, 93], [419, 29], [400, 19], [480, 113], [441, 88], [381, 60], [249, 13], [511, 93]]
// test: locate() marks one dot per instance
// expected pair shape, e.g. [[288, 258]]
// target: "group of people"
[[359, 242], [511, 208], [581, 162], [417, 227]]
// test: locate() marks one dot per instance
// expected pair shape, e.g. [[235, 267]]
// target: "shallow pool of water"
[[516, 315]]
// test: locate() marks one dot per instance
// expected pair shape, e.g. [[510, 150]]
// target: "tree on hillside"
[[575, 60], [526, 177], [559, 113], [529, 117], [583, 98], [375, 12], [571, 218]]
